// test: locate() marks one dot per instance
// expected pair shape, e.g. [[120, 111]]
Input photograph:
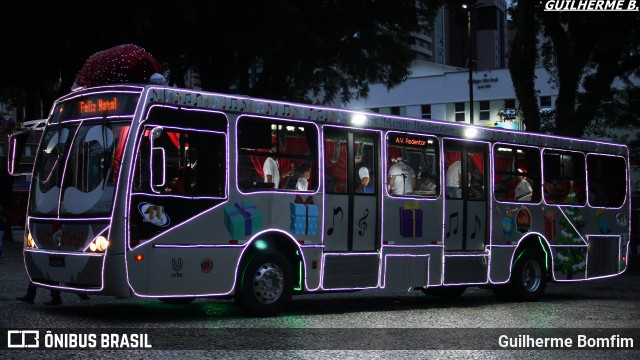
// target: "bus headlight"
[[99, 244]]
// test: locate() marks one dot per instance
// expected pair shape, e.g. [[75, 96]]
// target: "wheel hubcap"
[[268, 283], [531, 276]]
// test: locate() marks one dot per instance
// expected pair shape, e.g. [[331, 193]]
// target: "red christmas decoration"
[[117, 65]]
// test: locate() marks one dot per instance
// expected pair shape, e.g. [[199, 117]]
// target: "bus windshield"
[[76, 169]]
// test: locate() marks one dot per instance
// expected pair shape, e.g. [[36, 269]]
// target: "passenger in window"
[[270, 169], [402, 178], [363, 174], [454, 180], [475, 189], [303, 180], [523, 190], [426, 184]]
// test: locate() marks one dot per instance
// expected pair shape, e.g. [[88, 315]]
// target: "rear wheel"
[[266, 285], [528, 278]]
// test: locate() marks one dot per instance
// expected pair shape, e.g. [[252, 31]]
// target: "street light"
[[470, 58]]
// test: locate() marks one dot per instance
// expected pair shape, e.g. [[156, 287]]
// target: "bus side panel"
[[312, 261], [191, 271], [500, 268]]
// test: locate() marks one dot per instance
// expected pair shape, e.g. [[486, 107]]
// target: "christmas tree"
[[570, 260]]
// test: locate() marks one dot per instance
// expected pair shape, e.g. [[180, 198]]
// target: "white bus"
[[159, 192]]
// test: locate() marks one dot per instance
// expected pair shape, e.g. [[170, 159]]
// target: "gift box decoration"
[[242, 219], [411, 220], [304, 216]]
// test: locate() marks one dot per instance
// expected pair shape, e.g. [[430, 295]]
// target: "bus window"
[[564, 177], [185, 170], [276, 155], [606, 180], [413, 165], [517, 173]]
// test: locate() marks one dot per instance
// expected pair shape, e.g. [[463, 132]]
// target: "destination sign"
[[409, 140], [103, 104]]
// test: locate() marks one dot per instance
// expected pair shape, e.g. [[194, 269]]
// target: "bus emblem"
[[206, 265], [153, 214], [176, 264]]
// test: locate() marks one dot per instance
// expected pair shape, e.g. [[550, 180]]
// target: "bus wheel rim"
[[531, 276], [268, 283]]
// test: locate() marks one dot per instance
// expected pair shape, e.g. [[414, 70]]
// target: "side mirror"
[[16, 161], [158, 167]]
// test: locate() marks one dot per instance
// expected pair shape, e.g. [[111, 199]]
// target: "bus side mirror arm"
[[158, 167], [15, 165]]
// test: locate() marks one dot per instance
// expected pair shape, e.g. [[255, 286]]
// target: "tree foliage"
[[282, 49], [586, 52]]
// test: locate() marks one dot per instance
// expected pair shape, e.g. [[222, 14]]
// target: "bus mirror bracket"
[[158, 167]]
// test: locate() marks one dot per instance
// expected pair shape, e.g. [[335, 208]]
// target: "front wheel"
[[528, 278], [266, 285]]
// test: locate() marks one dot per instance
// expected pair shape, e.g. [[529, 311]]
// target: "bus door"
[[465, 196], [351, 228]]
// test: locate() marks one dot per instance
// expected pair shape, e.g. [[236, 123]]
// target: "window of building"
[[510, 103], [394, 110], [426, 111], [517, 173], [545, 101], [413, 165], [606, 180], [485, 110], [564, 177], [276, 155], [460, 111], [375, 110]]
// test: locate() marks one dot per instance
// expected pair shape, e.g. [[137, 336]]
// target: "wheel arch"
[[535, 241], [278, 242]]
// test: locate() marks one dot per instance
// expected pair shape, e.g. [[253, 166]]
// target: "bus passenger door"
[[465, 196], [351, 200]]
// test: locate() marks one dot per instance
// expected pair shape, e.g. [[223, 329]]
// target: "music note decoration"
[[362, 223], [336, 211], [455, 230]]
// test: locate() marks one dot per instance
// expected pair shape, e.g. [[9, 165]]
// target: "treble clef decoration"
[[362, 223]]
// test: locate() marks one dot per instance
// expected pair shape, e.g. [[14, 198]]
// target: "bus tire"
[[266, 285], [177, 300], [528, 278], [450, 292]]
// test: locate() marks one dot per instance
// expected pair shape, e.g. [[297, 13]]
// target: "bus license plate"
[[56, 261]]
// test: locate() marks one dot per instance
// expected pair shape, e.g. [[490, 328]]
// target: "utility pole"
[[470, 59]]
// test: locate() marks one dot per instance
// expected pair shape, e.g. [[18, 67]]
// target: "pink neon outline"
[[483, 133], [585, 178], [164, 170], [383, 281], [279, 191], [626, 183], [238, 263], [540, 186], [386, 170], [377, 254]]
